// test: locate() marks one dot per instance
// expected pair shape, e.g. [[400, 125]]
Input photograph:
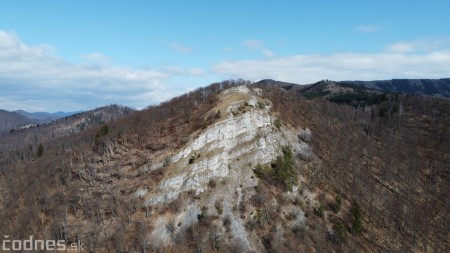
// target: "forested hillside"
[[391, 159], [237, 167], [10, 121]]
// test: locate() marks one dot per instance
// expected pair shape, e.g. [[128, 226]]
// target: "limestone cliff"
[[220, 161]]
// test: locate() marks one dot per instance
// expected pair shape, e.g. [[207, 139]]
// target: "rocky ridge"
[[220, 161]]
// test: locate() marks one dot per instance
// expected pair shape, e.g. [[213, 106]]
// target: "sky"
[[79, 55]]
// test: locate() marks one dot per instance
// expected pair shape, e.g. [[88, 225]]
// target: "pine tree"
[[40, 150], [357, 219]]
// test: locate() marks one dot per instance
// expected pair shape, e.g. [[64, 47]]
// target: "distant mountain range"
[[12, 120], [363, 92], [22, 119], [22, 131], [427, 87], [44, 117]]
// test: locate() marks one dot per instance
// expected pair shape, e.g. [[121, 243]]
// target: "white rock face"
[[140, 192], [245, 139], [160, 234], [226, 151], [305, 134], [238, 89]]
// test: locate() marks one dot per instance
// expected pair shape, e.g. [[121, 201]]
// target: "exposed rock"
[[227, 151], [230, 144]]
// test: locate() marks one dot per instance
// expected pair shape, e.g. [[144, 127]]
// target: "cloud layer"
[[417, 59], [34, 78]]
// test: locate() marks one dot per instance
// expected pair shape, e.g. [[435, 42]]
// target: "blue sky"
[[72, 55]]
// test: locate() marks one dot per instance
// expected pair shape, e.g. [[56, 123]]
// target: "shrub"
[[339, 232], [193, 157], [336, 206], [277, 123], [102, 131], [357, 219], [202, 215], [261, 105], [283, 169], [261, 170], [320, 211], [40, 150]]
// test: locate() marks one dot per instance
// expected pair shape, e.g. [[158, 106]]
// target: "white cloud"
[[268, 53], [196, 71], [401, 48], [180, 48], [173, 70], [367, 28], [252, 44], [98, 58], [420, 46], [35, 78], [345, 66], [257, 45]]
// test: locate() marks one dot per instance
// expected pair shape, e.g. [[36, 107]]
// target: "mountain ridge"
[[12, 120], [35, 133], [240, 167], [45, 117], [428, 87]]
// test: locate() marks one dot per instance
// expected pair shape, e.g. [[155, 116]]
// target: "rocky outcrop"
[[241, 139], [227, 151]]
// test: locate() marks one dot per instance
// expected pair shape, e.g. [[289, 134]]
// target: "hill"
[[429, 87], [344, 91], [28, 138], [240, 167], [284, 85], [11, 120], [45, 117]]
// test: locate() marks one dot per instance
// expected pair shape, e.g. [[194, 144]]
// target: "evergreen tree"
[[40, 150]]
